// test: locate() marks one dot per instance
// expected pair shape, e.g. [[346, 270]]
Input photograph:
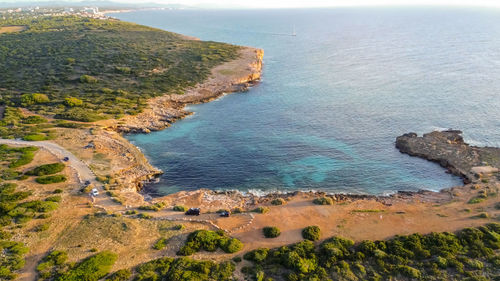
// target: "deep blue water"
[[333, 99]]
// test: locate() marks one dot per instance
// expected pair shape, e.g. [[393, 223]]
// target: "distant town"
[[92, 12]]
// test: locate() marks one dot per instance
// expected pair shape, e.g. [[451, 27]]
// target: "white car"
[[94, 192]]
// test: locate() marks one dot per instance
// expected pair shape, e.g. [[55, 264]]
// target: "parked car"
[[193, 212], [65, 159], [87, 182], [94, 192], [225, 214]]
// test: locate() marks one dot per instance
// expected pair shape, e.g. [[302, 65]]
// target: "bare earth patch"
[[11, 29]]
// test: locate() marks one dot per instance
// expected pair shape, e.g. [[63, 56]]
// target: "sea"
[[332, 99]]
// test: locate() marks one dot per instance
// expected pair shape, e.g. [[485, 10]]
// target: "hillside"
[[90, 69]]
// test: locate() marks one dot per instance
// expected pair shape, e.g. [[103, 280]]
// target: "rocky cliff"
[[233, 76]]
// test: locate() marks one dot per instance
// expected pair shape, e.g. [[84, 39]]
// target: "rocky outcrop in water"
[[449, 150]]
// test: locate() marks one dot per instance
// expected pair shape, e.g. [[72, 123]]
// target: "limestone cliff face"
[[234, 76]]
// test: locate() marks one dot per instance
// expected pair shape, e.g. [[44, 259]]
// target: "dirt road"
[[82, 169]]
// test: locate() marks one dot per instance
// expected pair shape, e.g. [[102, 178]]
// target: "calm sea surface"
[[333, 99]]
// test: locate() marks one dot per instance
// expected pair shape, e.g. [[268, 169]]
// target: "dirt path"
[[83, 171]]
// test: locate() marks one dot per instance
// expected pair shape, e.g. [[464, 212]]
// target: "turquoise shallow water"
[[333, 99]]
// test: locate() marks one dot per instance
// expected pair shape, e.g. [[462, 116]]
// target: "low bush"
[[160, 244], [470, 253], [323, 201], [144, 216], [42, 227], [180, 208], [92, 268], [57, 191], [312, 233], [261, 210], [278, 201], [11, 259], [56, 198], [120, 275], [47, 169], [271, 231], [209, 241], [179, 227], [51, 179], [35, 137]]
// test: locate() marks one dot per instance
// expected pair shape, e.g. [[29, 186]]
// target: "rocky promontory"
[[449, 149], [234, 76]]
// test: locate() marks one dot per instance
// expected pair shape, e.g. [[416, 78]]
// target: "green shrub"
[[131, 212], [209, 241], [144, 216], [312, 233], [261, 210], [57, 191], [271, 231], [179, 227], [237, 210], [54, 199], [237, 259], [34, 119], [47, 169], [51, 179], [92, 268], [475, 200], [35, 137], [88, 79], [258, 255], [72, 102], [278, 201], [42, 227], [323, 201], [179, 208], [160, 244], [35, 98], [120, 275]]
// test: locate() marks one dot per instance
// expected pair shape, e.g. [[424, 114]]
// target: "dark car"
[[225, 214], [87, 182], [193, 212], [66, 159]]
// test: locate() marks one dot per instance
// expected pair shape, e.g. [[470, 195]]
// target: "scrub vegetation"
[[88, 69], [16, 208], [209, 241], [470, 254]]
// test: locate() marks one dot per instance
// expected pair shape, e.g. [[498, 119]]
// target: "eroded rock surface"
[[449, 150]]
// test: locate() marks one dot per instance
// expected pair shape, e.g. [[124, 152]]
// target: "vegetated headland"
[[71, 86]]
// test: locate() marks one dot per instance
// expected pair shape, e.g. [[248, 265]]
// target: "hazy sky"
[[323, 3], [299, 3]]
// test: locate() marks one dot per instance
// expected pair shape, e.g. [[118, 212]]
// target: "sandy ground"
[[10, 29]]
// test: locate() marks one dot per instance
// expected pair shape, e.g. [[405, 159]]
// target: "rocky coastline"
[[230, 77], [449, 149], [475, 165]]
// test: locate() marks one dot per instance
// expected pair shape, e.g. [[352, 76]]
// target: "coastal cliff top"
[[85, 69]]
